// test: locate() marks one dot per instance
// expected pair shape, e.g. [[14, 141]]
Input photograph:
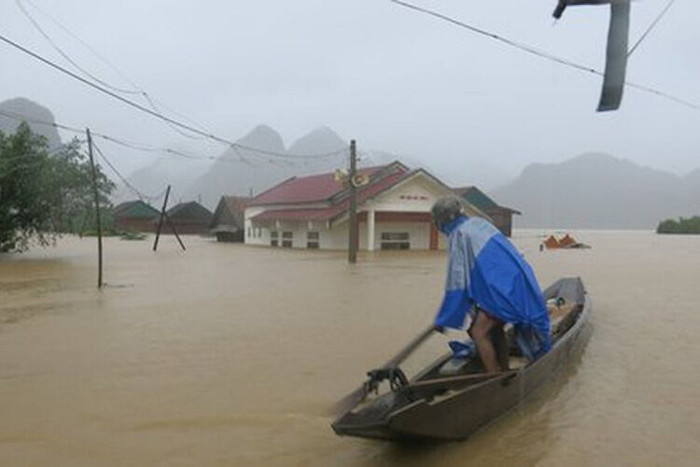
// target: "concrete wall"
[[414, 196]]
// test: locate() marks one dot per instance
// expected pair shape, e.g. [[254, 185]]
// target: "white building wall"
[[251, 236], [418, 234], [416, 195]]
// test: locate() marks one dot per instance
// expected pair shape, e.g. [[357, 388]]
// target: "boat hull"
[[457, 414]]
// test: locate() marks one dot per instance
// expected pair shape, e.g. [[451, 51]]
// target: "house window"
[[312, 240], [395, 241], [249, 235], [287, 239], [274, 235]]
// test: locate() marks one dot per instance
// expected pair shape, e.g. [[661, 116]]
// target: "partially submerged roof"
[[337, 204], [480, 199], [191, 211], [229, 213], [135, 209], [316, 188]]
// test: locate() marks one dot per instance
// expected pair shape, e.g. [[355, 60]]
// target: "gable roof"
[[191, 211], [481, 200], [230, 212], [340, 205], [316, 188], [136, 209]]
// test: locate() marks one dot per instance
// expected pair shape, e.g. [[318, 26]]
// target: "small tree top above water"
[[42, 194]]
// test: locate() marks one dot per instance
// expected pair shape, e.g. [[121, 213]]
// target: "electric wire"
[[541, 53], [126, 183], [165, 118], [651, 26], [84, 43], [137, 90], [139, 147], [65, 55]]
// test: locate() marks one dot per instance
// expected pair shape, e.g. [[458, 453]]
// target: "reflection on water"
[[232, 354]]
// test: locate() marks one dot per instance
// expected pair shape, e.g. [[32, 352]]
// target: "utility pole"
[[163, 214], [97, 210], [160, 222], [352, 236]]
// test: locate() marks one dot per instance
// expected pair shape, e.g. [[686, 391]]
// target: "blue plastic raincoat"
[[485, 269]]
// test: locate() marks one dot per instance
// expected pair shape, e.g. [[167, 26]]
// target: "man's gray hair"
[[445, 209]]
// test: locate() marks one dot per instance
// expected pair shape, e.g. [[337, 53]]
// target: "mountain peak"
[[263, 137], [595, 190], [23, 107], [319, 140]]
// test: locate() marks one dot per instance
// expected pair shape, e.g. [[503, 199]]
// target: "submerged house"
[[188, 218], [502, 217], [228, 221], [313, 211], [135, 216]]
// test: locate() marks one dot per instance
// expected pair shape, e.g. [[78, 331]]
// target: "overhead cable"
[[141, 196], [65, 55], [164, 117], [135, 146], [137, 90], [651, 26], [546, 55]]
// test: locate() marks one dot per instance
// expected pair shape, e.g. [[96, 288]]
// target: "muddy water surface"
[[233, 355]]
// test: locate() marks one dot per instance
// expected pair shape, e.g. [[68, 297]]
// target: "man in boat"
[[487, 276]]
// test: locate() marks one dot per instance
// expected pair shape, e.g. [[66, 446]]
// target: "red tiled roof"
[[298, 190], [337, 210], [299, 214]]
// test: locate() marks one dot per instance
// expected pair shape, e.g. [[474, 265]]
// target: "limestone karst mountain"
[[36, 116], [599, 191], [262, 160]]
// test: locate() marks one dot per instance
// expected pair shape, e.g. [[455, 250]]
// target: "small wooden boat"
[[452, 398]]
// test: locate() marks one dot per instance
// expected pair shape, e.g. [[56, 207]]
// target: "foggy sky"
[[393, 79]]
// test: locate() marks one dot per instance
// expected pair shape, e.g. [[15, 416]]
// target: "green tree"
[[43, 195], [681, 226]]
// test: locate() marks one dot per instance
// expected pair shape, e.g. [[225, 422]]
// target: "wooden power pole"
[[160, 221], [97, 210], [164, 215], [352, 235]]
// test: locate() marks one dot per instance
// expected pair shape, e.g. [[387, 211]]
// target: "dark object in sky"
[[454, 397], [616, 53]]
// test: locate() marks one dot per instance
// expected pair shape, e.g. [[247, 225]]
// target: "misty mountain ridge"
[[591, 190], [33, 112], [241, 171], [599, 191]]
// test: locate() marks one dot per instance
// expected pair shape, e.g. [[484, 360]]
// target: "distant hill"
[[240, 171], [596, 190], [167, 170], [34, 113]]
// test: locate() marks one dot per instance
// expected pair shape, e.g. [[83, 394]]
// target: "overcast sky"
[[391, 78]]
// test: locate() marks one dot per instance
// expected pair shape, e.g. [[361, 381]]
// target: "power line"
[[651, 26], [121, 142], [141, 196], [546, 55], [164, 117], [139, 147], [137, 89], [65, 55]]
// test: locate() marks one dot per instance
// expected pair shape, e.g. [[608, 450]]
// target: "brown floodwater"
[[234, 355]]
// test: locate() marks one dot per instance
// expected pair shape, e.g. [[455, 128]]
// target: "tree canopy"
[[681, 226], [44, 194]]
